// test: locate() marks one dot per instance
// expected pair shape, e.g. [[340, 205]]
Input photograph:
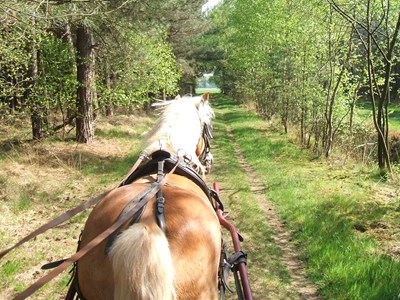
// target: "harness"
[[206, 157], [160, 163]]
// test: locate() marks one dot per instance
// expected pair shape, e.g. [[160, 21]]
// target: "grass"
[[344, 220], [207, 90], [269, 278], [393, 113], [332, 210]]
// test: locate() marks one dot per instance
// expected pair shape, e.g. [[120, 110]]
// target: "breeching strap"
[[150, 192]]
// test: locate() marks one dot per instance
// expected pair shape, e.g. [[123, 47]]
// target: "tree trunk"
[[67, 38], [36, 109], [381, 118], [332, 100], [86, 84], [107, 82], [285, 115], [386, 92]]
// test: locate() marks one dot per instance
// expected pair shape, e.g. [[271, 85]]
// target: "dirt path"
[[299, 282]]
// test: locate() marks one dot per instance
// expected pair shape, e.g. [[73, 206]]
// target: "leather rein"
[[135, 205]]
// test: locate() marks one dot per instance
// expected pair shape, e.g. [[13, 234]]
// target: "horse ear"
[[205, 97], [178, 96]]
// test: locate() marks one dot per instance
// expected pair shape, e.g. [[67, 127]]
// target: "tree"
[[379, 52], [36, 108], [86, 84], [308, 65], [135, 61]]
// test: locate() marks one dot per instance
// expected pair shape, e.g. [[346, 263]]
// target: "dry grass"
[[40, 181]]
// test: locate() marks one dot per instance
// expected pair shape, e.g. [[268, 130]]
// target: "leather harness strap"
[[135, 218], [150, 192], [70, 213], [65, 216], [160, 198]]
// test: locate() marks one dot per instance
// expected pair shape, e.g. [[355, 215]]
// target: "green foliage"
[[13, 65], [305, 65], [150, 67], [57, 82], [54, 84], [142, 51]]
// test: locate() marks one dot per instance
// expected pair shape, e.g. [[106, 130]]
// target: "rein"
[[69, 214], [64, 217], [138, 202]]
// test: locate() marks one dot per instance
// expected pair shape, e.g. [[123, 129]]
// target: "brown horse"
[[146, 261]]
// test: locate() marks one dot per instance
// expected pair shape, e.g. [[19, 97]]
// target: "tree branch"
[[354, 21]]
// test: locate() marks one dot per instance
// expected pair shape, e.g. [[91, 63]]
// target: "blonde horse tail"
[[142, 264]]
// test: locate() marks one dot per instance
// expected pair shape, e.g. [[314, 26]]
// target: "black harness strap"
[[160, 198], [234, 260], [217, 199], [159, 210], [114, 235], [170, 160], [230, 264], [206, 157], [135, 219]]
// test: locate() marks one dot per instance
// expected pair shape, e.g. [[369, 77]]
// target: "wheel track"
[[295, 267]]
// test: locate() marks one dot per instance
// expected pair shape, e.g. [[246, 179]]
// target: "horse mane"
[[179, 127]]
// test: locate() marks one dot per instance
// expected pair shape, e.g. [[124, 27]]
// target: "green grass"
[[393, 112], [245, 213], [207, 90], [323, 206], [394, 117], [10, 268]]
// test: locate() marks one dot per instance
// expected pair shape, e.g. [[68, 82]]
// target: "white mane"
[[180, 126]]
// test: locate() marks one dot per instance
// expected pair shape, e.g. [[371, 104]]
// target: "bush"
[[394, 146]]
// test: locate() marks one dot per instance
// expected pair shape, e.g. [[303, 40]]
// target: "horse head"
[[184, 127]]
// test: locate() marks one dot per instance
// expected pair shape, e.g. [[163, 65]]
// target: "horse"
[[143, 260]]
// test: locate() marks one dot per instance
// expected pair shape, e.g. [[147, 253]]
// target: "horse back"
[[192, 231]]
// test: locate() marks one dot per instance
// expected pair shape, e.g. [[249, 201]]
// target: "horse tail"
[[142, 264]]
